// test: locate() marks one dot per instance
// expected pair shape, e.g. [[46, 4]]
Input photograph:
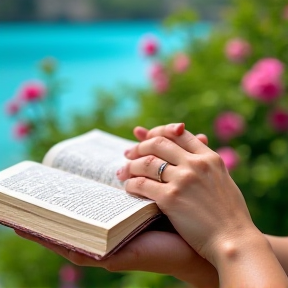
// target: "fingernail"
[[178, 129], [127, 152]]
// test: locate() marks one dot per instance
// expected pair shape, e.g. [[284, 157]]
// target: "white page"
[[69, 194], [95, 155]]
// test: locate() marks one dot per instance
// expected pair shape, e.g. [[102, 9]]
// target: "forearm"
[[280, 248], [249, 262], [199, 274]]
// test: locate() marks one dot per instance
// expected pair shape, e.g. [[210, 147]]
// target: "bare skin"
[[159, 252], [204, 205], [279, 244], [148, 252]]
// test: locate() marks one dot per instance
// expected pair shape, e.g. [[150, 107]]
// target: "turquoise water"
[[101, 55]]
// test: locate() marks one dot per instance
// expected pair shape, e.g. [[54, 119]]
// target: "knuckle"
[[205, 163], [148, 160], [140, 183], [172, 193], [202, 163], [187, 175], [159, 141], [216, 160], [152, 133]]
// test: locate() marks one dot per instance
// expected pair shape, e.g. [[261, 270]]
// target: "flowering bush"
[[232, 86], [36, 113], [30, 92]]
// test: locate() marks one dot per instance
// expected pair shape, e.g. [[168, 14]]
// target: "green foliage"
[[21, 258], [26, 264], [212, 85], [149, 280], [181, 18], [208, 87]]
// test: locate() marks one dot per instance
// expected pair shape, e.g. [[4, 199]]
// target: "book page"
[[68, 194], [95, 155]]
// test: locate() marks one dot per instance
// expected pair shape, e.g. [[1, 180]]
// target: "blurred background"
[[220, 67], [95, 44]]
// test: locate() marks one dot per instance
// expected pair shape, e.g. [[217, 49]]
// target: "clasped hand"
[[206, 208], [198, 195]]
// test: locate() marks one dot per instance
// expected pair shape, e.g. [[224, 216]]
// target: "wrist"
[[248, 261], [231, 248]]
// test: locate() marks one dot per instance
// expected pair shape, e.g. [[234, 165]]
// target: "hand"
[[204, 204], [279, 244], [196, 176], [159, 252], [170, 131]]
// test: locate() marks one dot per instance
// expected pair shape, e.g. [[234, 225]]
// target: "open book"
[[74, 198]]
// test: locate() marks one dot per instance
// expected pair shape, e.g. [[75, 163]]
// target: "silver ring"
[[161, 170]]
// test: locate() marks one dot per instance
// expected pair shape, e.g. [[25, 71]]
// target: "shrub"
[[231, 85]]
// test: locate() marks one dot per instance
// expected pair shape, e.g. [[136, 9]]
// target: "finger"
[[176, 129], [55, 248], [140, 133], [145, 187], [203, 138], [186, 140], [159, 146], [71, 255], [148, 252], [147, 166]]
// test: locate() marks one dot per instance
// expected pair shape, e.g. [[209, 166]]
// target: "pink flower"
[[229, 156], [69, 273], [279, 120], [12, 107], [161, 84], [263, 81], [181, 63], [21, 130], [159, 77], [271, 66], [149, 45], [156, 70], [237, 50], [32, 91], [229, 125]]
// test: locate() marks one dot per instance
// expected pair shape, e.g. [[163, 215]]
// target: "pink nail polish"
[[178, 129]]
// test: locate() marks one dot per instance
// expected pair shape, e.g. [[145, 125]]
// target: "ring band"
[[161, 170]]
